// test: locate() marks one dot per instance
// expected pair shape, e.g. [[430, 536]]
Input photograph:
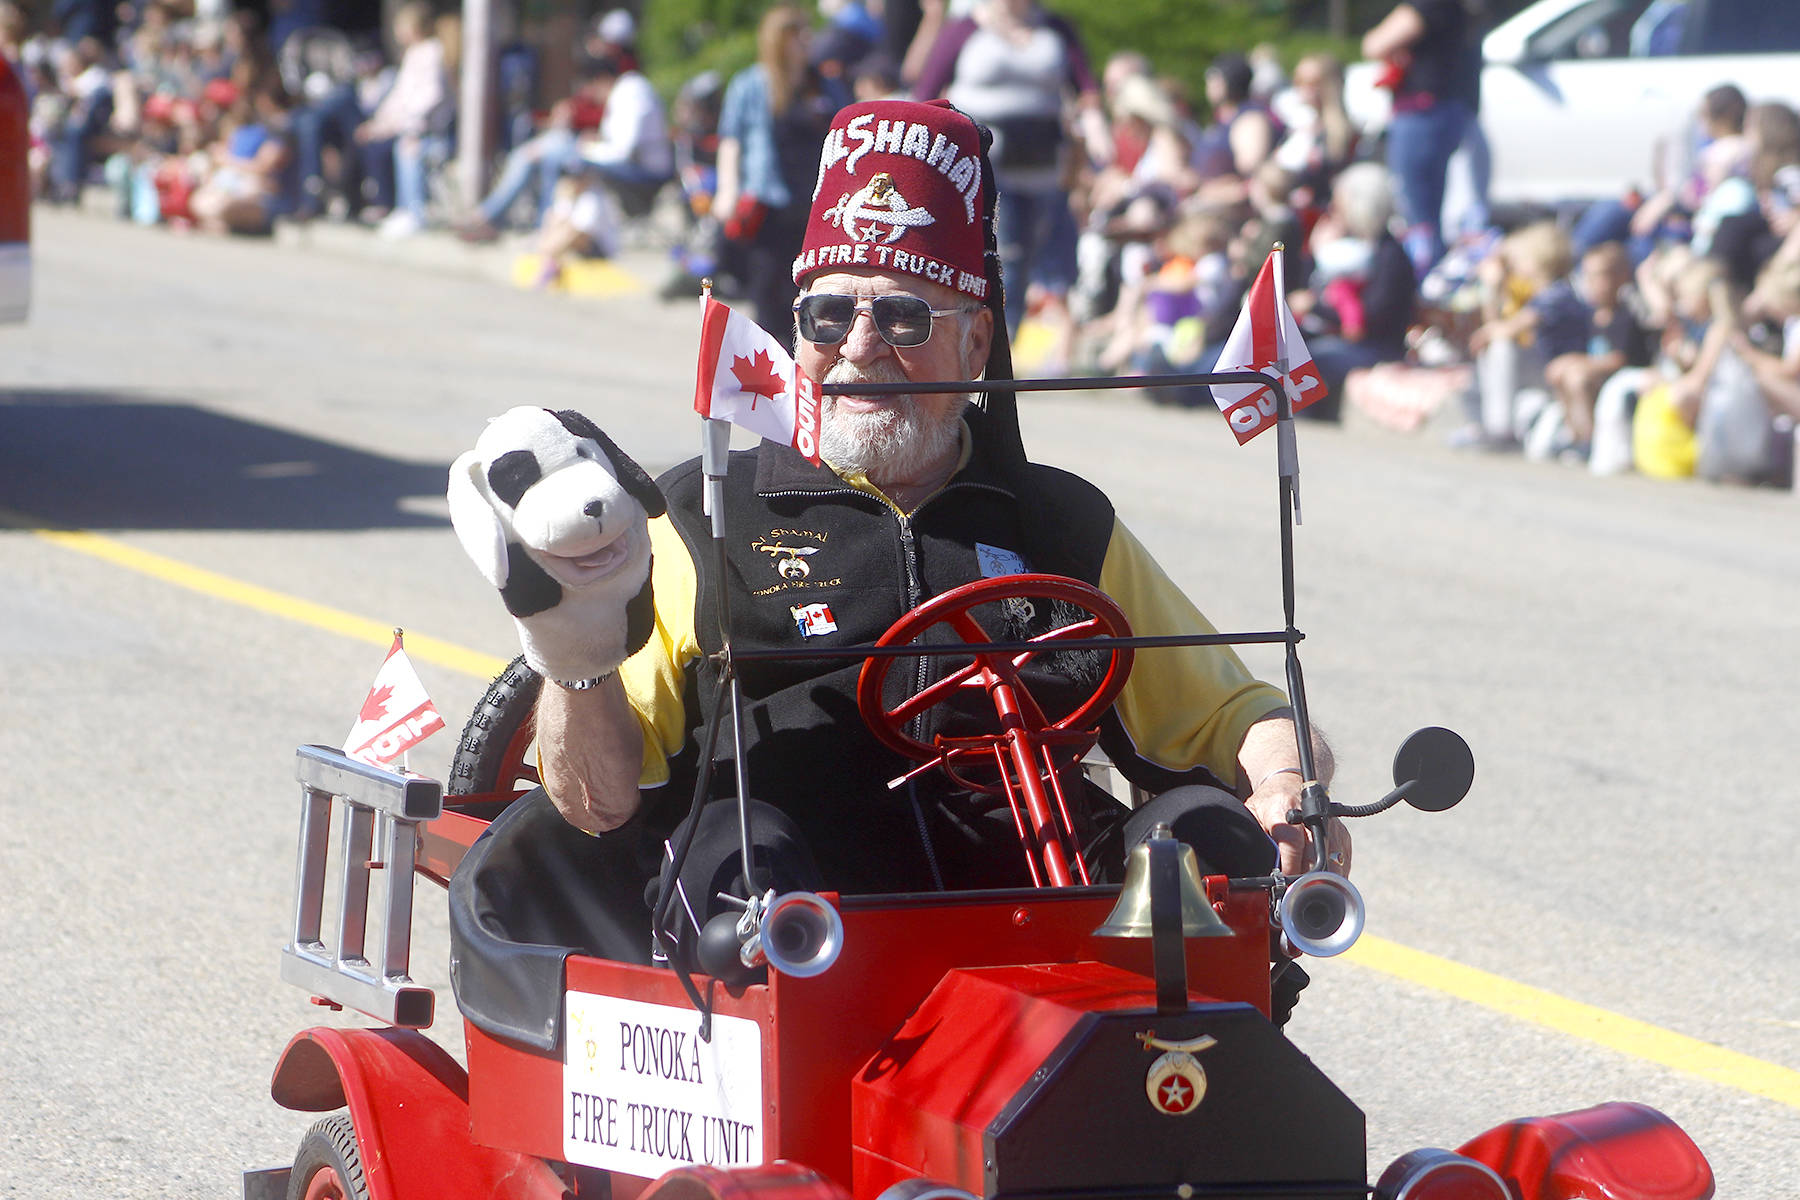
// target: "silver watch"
[[583, 685]]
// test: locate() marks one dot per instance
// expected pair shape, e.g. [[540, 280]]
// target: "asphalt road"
[[1621, 655]]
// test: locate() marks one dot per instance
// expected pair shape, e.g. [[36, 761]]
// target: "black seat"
[[531, 891]]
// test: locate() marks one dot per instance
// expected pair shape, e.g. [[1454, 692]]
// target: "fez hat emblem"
[[864, 213]]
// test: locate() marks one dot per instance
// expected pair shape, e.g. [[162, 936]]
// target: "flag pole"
[[1315, 805], [1287, 450], [715, 459], [400, 645]]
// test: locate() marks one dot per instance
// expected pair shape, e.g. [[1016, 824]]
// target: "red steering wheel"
[[1025, 749]]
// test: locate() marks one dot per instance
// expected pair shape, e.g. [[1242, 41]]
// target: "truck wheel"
[[494, 752], [329, 1166]]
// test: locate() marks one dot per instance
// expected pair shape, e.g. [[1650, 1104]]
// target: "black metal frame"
[[1315, 806]]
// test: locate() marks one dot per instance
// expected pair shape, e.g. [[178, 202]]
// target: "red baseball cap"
[[899, 191]]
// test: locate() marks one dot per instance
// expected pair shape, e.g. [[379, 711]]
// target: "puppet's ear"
[[473, 517], [633, 478]]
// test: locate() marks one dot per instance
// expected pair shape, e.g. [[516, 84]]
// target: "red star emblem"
[[1176, 1094]]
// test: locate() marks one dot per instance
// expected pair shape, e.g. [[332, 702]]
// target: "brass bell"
[[1131, 915]]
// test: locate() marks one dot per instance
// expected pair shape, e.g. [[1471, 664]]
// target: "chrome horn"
[[1321, 914], [799, 934]]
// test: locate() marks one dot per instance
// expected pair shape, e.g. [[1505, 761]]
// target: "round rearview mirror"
[[1439, 765]]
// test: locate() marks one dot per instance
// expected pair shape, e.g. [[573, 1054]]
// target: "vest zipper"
[[915, 590]]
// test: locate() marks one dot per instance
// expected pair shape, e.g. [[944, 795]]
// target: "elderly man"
[[918, 494]]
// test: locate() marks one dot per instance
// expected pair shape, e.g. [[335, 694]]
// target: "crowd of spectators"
[[1657, 331], [200, 117]]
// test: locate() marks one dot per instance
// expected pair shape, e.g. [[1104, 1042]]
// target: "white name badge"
[[643, 1094]]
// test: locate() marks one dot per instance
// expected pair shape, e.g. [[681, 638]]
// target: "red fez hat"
[[899, 191]]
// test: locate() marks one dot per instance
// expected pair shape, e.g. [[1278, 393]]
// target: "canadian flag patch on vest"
[[814, 619]]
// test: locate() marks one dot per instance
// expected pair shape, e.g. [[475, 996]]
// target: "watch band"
[[584, 685]]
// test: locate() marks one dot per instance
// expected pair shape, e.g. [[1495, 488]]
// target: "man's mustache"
[[882, 371]]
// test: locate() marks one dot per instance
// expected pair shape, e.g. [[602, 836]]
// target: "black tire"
[[330, 1145], [491, 754]]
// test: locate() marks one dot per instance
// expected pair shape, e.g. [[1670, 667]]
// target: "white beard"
[[891, 444]]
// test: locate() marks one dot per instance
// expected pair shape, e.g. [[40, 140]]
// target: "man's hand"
[[1269, 774], [555, 516], [1270, 805]]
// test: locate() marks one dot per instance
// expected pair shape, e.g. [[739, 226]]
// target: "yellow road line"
[[421, 647], [1626, 1035], [1637, 1039]]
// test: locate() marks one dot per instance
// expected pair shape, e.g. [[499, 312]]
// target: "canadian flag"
[[397, 715], [746, 377], [1265, 331]]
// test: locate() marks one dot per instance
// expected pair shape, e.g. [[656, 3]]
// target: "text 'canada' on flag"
[[396, 716], [1265, 331], [746, 377]]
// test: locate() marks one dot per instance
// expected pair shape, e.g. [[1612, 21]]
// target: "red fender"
[[1614, 1151], [409, 1101], [772, 1181]]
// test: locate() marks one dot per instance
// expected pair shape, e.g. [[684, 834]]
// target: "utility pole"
[[475, 96]]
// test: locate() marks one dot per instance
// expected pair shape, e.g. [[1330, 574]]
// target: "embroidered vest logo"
[[792, 559]]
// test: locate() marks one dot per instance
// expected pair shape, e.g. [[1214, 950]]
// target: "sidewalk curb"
[[436, 250], [432, 250]]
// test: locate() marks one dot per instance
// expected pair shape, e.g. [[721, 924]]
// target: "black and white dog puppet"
[[556, 516]]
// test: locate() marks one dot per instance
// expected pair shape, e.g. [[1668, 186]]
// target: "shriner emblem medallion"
[[1176, 1082]]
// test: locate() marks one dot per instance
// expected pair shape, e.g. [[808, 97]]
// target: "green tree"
[[1180, 37], [681, 38]]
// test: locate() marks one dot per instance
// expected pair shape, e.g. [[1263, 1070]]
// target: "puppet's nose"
[[594, 508]]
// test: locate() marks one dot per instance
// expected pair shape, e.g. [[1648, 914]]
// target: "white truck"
[[1579, 97]]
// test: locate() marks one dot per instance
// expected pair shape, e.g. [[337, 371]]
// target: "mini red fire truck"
[[1066, 1042]]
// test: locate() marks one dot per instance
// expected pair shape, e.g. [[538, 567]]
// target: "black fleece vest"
[[813, 562]]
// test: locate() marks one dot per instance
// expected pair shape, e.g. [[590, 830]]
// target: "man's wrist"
[[1278, 771]]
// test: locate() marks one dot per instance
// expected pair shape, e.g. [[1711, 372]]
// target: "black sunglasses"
[[902, 320]]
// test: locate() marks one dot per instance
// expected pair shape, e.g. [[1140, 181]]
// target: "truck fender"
[[409, 1102], [1615, 1151]]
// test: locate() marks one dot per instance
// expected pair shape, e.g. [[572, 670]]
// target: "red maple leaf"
[[757, 375], [375, 707]]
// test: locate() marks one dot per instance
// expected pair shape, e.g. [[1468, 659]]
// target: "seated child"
[[1162, 320], [1618, 340], [1531, 316], [1711, 419], [581, 222]]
